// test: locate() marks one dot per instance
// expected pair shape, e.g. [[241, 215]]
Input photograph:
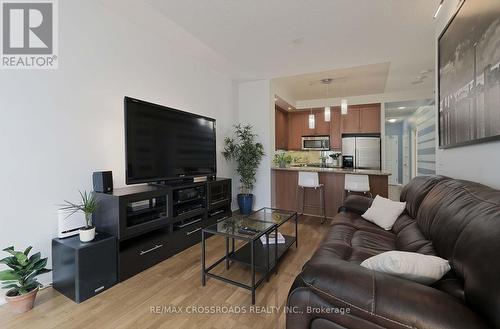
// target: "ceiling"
[[359, 80], [263, 39], [402, 110]]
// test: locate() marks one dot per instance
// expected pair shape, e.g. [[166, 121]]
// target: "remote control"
[[247, 230]]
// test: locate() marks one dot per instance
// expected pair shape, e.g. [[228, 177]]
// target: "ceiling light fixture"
[[289, 108], [327, 114], [438, 9], [327, 82], [401, 107], [312, 121], [343, 106], [392, 120]]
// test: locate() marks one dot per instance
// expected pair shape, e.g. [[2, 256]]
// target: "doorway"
[[404, 121], [392, 158]]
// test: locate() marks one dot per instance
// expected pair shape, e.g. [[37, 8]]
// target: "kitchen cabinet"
[[369, 120], [281, 129], [297, 126], [350, 121], [321, 126], [335, 131], [362, 119], [291, 126]]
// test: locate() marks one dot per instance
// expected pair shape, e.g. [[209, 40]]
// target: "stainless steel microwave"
[[317, 143]]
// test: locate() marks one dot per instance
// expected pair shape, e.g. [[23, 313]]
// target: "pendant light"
[[343, 106], [327, 113], [312, 121], [327, 82]]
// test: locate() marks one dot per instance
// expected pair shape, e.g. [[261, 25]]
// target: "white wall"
[[57, 127], [479, 162], [255, 102]]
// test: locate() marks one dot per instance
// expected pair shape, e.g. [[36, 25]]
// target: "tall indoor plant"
[[247, 154], [20, 279], [88, 206]]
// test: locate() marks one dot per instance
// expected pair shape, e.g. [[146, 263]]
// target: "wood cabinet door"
[[369, 120], [350, 121], [296, 125], [335, 132], [281, 129], [321, 126]]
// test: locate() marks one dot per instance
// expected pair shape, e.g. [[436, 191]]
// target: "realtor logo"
[[29, 38]]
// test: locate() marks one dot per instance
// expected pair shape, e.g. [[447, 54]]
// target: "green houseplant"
[[282, 159], [247, 154], [88, 206], [21, 278]]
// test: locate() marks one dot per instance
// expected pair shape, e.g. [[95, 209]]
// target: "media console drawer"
[[141, 253], [187, 236]]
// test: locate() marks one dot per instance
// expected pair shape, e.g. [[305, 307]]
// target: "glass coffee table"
[[261, 257]]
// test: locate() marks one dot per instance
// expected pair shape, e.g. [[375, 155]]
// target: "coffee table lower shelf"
[[242, 255]]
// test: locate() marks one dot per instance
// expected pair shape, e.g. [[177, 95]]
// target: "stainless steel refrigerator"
[[364, 150]]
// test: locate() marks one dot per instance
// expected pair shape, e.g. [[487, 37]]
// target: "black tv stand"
[[154, 222]]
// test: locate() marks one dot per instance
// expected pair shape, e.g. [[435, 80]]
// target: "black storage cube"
[[81, 270]]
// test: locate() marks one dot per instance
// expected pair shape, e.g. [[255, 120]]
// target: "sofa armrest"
[[373, 299], [356, 203]]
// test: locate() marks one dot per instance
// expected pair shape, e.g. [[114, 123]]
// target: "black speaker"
[[103, 181]]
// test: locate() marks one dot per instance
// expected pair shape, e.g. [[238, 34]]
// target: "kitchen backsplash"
[[300, 157]]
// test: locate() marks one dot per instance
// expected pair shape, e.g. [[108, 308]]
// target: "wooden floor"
[[176, 283]]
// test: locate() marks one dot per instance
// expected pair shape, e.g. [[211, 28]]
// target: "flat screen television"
[[162, 143]]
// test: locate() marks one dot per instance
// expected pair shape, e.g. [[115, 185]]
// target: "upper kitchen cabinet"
[[335, 131], [350, 121], [281, 129], [369, 119], [297, 127], [362, 119], [321, 127]]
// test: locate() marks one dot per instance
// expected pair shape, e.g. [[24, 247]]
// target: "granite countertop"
[[336, 170]]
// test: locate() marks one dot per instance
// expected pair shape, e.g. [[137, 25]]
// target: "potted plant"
[[248, 154], [282, 159], [21, 278], [88, 206]]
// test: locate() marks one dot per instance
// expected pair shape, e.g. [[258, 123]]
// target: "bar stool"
[[357, 184], [311, 180]]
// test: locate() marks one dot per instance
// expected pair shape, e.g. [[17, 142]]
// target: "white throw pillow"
[[416, 267], [384, 212]]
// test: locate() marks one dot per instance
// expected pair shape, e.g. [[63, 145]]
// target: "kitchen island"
[[285, 182]]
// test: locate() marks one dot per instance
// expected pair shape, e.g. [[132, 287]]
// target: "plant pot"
[[245, 202], [282, 164], [87, 234], [21, 303]]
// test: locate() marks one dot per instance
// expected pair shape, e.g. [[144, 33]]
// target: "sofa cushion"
[[410, 238], [463, 221], [415, 192], [354, 239], [451, 285]]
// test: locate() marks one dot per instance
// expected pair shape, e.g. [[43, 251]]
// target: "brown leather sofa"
[[453, 219]]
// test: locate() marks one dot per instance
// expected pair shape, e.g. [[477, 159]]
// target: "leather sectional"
[[453, 219]]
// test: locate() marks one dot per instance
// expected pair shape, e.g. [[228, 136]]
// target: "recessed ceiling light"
[[401, 107], [392, 120]]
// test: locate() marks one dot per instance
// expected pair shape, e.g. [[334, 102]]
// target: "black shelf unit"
[[150, 225]]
